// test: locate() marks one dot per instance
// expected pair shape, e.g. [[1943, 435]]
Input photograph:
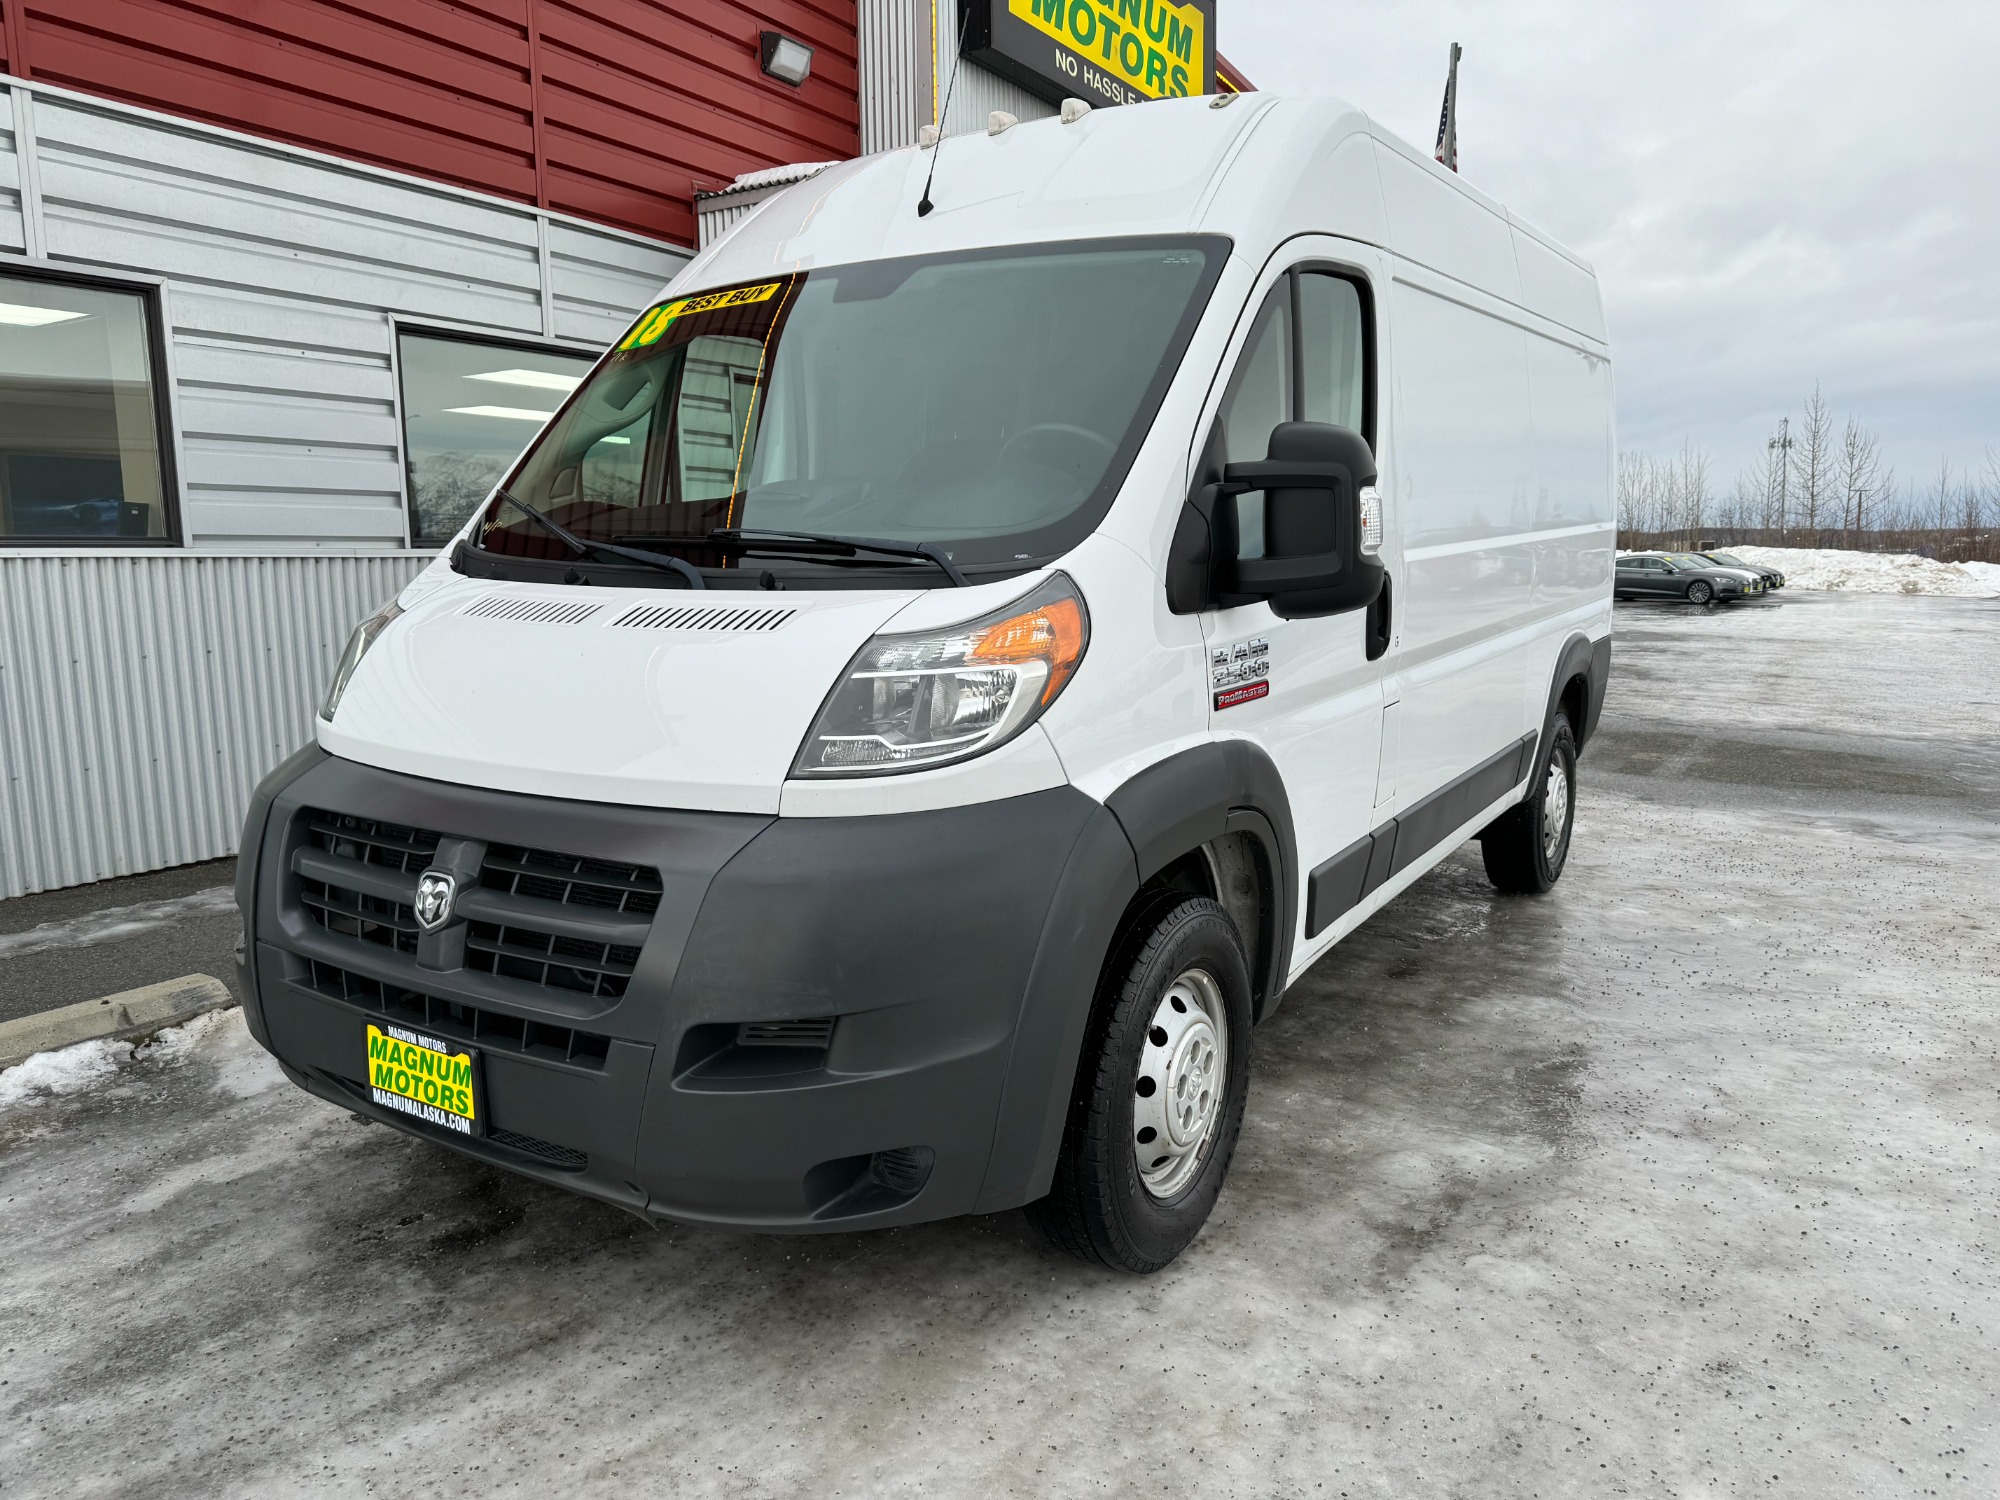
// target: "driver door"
[[1302, 689]]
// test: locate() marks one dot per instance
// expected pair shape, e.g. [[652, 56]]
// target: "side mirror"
[[1314, 562]]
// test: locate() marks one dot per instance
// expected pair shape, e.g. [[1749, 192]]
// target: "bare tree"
[[1813, 460], [1860, 465], [1631, 492], [1691, 495], [1939, 500]]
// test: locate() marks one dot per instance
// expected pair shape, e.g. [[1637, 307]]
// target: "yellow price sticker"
[[650, 328]]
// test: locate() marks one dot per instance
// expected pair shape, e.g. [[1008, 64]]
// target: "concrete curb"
[[134, 1013]]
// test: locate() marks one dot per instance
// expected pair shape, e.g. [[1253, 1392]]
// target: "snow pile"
[[1874, 572], [71, 1070], [53, 1074]]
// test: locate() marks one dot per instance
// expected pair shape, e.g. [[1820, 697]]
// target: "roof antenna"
[[924, 204]]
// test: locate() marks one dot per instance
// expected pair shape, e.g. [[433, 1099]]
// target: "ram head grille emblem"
[[436, 890]]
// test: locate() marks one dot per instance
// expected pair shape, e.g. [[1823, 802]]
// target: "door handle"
[[1381, 624]]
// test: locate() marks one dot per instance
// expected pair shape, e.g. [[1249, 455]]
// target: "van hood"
[[645, 697]]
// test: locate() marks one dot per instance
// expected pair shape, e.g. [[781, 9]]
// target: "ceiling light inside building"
[[783, 58], [541, 380], [22, 316], [512, 413]]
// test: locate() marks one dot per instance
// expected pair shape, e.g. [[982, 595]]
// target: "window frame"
[[1364, 288], [461, 333], [151, 293], [1364, 291]]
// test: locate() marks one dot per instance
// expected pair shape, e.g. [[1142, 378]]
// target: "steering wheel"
[[1061, 429]]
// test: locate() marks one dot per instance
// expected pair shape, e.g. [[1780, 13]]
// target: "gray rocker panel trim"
[[1354, 874]]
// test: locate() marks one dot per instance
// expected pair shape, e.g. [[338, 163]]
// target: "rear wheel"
[[1526, 847], [1700, 591], [1159, 1096]]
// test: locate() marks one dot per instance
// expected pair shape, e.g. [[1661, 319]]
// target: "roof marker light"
[[1074, 110]]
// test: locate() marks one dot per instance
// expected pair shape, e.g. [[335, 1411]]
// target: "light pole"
[[1782, 446]]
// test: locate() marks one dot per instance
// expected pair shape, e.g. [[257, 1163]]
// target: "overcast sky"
[[1772, 193]]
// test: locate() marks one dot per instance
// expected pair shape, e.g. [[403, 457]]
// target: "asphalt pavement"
[[1679, 1180], [62, 947]]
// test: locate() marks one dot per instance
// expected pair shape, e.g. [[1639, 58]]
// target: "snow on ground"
[[71, 1070], [1874, 572], [51, 1075]]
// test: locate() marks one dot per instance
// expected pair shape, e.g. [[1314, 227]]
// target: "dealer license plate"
[[433, 1080]]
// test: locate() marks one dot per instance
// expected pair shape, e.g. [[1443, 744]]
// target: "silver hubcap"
[[1555, 809], [1183, 1073]]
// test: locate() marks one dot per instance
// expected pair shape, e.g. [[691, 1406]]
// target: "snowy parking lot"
[[1679, 1180]]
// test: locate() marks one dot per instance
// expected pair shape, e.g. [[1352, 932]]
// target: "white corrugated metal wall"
[[142, 693], [905, 45], [977, 92], [143, 696]]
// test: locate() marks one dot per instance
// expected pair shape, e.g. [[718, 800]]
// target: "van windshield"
[[987, 403]]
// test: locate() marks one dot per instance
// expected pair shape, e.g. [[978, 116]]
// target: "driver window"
[[1330, 351]]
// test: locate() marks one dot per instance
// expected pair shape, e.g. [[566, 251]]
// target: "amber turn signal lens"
[[1052, 634]]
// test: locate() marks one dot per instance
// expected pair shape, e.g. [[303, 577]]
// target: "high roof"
[[1258, 168]]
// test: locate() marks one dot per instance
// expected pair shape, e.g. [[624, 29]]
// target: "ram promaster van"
[[925, 695]]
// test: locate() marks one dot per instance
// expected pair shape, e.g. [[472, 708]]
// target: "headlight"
[[911, 701], [357, 647]]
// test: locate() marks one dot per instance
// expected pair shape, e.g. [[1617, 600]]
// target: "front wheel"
[[1159, 1096], [1699, 592], [1526, 847]]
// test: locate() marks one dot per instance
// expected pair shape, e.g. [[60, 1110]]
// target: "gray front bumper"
[[953, 952]]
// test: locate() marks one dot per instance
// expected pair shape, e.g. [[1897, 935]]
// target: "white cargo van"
[[919, 703]]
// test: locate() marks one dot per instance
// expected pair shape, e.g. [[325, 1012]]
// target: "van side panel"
[[1463, 485], [1436, 221], [1557, 287], [1570, 390]]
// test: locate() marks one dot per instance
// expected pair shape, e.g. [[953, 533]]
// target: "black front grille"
[[376, 846], [491, 1029], [571, 879], [544, 958], [817, 1033], [537, 917], [556, 1156]]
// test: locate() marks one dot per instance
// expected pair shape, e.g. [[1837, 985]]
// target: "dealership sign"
[[1100, 51]]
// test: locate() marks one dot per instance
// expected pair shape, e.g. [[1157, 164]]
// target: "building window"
[[82, 458], [469, 408]]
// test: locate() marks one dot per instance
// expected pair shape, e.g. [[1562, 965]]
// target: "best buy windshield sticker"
[[1154, 47], [420, 1076], [656, 322]]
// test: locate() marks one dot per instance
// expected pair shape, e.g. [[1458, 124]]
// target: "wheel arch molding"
[[1202, 796], [1174, 808], [1586, 665]]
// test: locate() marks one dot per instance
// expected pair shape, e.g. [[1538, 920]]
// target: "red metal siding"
[[615, 110]]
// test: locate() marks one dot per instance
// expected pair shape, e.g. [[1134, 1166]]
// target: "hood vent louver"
[[531, 611], [703, 617]]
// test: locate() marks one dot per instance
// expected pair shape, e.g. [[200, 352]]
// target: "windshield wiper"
[[806, 543], [584, 547]]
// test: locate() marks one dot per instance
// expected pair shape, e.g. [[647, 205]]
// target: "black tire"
[[1522, 852], [1700, 591], [1100, 1207]]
